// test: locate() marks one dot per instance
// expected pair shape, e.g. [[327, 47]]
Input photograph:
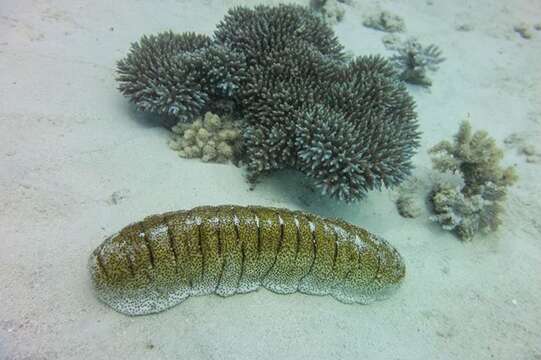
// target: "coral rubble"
[[331, 11], [385, 21], [478, 204], [408, 206], [347, 123], [209, 138], [523, 30], [413, 61], [522, 144]]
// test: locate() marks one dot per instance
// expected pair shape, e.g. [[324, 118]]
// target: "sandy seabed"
[[77, 163]]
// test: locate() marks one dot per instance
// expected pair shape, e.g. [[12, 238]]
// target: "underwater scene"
[[304, 179]]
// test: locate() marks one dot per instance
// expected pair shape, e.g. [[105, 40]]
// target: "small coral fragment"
[[385, 21], [413, 61], [330, 10], [213, 139], [477, 205], [408, 206], [523, 30], [391, 41], [464, 27], [520, 142]]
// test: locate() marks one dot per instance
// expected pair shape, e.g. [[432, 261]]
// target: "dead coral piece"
[[408, 206], [213, 139], [385, 21], [477, 206], [411, 195], [464, 27], [118, 196], [330, 10], [466, 216], [413, 61], [391, 41], [523, 30], [519, 141]]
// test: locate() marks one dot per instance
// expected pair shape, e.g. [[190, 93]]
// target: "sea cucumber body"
[[156, 263]]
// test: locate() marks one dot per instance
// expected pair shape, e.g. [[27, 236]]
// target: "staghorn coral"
[[414, 60], [478, 204], [229, 250], [157, 80], [209, 138], [300, 82], [283, 71]]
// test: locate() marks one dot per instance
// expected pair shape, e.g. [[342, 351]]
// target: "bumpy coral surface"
[[478, 205], [156, 263], [350, 125], [210, 138]]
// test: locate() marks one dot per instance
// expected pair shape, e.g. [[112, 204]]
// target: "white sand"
[[69, 140]]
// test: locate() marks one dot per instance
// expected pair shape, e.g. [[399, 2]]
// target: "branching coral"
[[478, 205], [209, 138], [414, 60], [156, 79], [475, 157], [349, 124]]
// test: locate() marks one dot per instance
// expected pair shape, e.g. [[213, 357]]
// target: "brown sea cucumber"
[[156, 263]]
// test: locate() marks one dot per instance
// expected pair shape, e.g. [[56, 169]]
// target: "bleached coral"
[[414, 60], [385, 21], [475, 157], [476, 206], [467, 215], [211, 138]]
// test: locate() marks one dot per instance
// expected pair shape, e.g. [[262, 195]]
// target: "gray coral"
[[349, 124], [413, 61], [156, 79], [477, 206]]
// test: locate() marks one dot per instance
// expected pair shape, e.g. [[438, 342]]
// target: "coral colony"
[[477, 206], [348, 124]]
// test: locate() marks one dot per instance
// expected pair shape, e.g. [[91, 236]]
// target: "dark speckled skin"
[[156, 263]]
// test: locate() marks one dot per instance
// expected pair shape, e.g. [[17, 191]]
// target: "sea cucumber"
[[154, 264]]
